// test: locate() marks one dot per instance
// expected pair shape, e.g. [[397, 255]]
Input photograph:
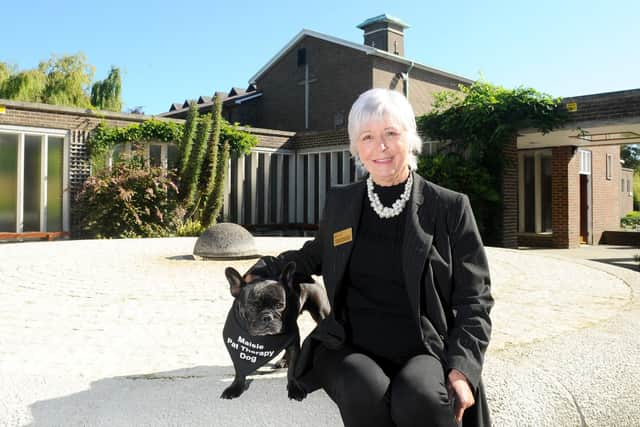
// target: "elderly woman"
[[408, 283]]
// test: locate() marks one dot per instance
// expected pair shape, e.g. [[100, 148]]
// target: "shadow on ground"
[[186, 397], [629, 263]]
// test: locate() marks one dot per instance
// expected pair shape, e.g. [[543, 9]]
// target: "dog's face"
[[262, 303]]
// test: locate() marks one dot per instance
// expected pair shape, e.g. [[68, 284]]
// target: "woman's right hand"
[[267, 267]]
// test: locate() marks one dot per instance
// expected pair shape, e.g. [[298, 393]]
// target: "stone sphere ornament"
[[225, 241]]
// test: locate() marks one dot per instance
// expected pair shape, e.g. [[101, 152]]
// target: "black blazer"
[[446, 275]]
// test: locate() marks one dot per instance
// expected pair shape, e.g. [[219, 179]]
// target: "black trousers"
[[374, 392]]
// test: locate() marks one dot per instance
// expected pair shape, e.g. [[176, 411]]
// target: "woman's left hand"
[[458, 386]]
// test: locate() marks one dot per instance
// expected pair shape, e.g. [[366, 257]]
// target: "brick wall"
[[612, 105], [269, 138], [626, 197], [606, 192], [565, 194], [621, 238], [510, 195], [78, 122], [384, 40], [535, 240], [341, 74], [422, 84], [306, 140]]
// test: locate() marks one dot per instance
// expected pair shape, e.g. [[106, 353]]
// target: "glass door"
[[8, 181], [31, 182]]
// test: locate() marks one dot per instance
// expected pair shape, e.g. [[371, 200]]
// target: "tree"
[[68, 80], [631, 156], [138, 109], [105, 94], [24, 86], [62, 80], [6, 71]]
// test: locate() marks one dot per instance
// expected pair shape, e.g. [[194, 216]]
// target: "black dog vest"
[[249, 352]]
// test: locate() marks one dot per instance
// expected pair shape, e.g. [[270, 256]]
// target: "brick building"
[[562, 188], [311, 83], [571, 186], [44, 161]]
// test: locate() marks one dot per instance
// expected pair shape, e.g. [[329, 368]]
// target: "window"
[[535, 198], [585, 162], [622, 185], [629, 186], [545, 193], [609, 166], [157, 154], [302, 57]]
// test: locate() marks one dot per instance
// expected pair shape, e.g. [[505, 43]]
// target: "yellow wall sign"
[[572, 107], [3, 109]]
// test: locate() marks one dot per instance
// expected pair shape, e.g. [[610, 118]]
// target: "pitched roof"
[[383, 18], [361, 47], [236, 99], [236, 91]]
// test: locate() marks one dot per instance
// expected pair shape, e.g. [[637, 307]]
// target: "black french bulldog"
[[267, 309]]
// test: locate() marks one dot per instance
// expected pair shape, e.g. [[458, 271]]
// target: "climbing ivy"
[[476, 123], [104, 137]]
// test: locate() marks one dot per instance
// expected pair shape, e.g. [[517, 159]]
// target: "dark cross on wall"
[[306, 82]]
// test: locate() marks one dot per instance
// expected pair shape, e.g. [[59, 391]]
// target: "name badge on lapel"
[[342, 237]]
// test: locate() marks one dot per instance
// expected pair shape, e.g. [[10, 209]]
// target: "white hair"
[[376, 105]]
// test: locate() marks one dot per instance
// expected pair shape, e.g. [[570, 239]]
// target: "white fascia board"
[[398, 58], [246, 98], [361, 47], [303, 33]]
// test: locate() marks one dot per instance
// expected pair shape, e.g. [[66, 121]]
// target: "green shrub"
[[631, 220], [128, 200], [190, 228], [453, 171]]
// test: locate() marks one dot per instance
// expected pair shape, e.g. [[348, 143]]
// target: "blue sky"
[[170, 50]]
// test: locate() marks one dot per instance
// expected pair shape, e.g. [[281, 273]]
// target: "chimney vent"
[[384, 32]]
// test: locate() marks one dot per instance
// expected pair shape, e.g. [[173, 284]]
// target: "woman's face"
[[383, 149]]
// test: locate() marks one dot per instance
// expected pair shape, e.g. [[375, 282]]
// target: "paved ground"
[[128, 333]]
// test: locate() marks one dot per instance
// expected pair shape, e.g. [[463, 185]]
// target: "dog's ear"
[[235, 281], [286, 276]]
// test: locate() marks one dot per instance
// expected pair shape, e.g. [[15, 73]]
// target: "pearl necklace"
[[397, 207]]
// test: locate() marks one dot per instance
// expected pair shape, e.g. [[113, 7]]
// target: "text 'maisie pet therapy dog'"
[[263, 321]]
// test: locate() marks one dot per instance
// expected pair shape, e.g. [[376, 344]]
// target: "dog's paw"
[[281, 364], [233, 391], [295, 391]]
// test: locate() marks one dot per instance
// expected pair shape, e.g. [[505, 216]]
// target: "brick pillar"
[[565, 193], [510, 194]]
